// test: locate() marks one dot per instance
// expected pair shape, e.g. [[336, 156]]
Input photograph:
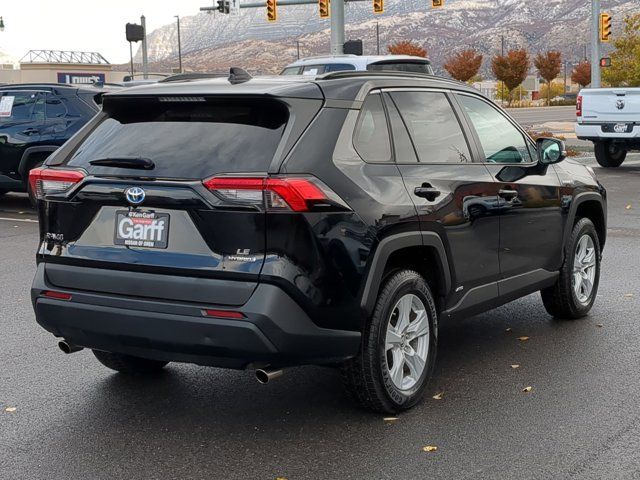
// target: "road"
[[537, 116], [76, 420]]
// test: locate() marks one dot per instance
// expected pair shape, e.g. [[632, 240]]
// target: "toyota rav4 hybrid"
[[338, 220]]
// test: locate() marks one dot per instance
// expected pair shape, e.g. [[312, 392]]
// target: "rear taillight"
[[579, 106], [299, 194], [49, 181]]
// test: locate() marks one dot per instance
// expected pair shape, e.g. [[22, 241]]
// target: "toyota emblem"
[[135, 195], [620, 104]]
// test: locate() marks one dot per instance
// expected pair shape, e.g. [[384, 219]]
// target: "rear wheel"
[[575, 291], [398, 349], [609, 155], [127, 363]]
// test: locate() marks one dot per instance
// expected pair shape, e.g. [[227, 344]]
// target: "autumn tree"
[[549, 65], [464, 66], [405, 47], [511, 69], [625, 60], [551, 90], [581, 74]]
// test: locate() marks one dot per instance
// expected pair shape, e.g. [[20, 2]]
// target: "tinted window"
[[190, 140], [402, 67], [500, 140], [17, 106], [433, 126], [338, 67], [55, 108], [402, 146], [290, 71], [371, 137]]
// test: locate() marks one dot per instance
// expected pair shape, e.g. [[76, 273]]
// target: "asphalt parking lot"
[[75, 419]]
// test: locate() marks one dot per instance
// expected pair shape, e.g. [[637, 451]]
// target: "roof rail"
[[183, 77], [383, 73]]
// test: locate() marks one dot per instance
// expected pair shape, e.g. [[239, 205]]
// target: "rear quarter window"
[[185, 140]]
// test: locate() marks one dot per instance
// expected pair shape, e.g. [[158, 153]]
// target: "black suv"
[[334, 220], [35, 119]]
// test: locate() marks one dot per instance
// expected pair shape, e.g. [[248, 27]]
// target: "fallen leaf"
[[508, 329], [438, 396], [523, 339], [628, 295], [515, 366], [628, 207], [281, 478], [10, 409], [429, 448], [527, 389], [390, 419], [599, 325]]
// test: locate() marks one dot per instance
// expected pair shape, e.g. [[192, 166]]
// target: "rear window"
[[402, 67], [185, 139]]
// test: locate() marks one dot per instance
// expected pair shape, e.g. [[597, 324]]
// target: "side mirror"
[[550, 150]]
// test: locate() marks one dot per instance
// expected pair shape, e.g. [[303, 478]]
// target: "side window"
[[338, 67], [403, 148], [433, 127], [54, 107], [500, 140], [371, 136], [17, 106]]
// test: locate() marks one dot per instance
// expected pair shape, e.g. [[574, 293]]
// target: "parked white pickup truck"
[[610, 118]]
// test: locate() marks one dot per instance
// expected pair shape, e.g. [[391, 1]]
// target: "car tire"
[[609, 155], [392, 379], [128, 364], [569, 298]]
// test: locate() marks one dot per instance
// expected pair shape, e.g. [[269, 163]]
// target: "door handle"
[[30, 131], [508, 194], [427, 191]]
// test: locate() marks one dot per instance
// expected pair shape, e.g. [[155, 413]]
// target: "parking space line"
[[25, 220]]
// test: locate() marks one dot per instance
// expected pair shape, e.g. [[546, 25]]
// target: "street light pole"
[[595, 44], [179, 45], [145, 58], [378, 37], [337, 27]]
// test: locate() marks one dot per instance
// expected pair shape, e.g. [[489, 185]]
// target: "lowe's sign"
[[80, 78]]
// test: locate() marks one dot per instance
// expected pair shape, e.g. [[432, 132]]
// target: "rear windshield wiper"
[[125, 162]]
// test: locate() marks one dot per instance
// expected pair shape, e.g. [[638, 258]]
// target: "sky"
[[89, 25]]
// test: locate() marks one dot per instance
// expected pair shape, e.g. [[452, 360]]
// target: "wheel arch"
[[420, 251], [588, 205], [30, 154]]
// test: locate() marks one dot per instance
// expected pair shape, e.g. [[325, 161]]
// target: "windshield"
[[187, 140]]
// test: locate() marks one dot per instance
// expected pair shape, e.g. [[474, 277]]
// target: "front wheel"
[[398, 351], [127, 363], [609, 155], [575, 291]]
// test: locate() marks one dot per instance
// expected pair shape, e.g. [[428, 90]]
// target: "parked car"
[[267, 223], [35, 119], [610, 118], [336, 63]]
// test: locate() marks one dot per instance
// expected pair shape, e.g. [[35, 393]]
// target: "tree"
[[405, 47], [510, 95], [549, 65], [625, 60], [511, 69], [464, 66], [581, 74], [556, 90]]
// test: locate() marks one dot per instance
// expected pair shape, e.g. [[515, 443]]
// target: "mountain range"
[[213, 42]]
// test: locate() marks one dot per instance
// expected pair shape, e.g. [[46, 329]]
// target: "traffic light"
[[323, 6], [605, 27], [605, 62], [378, 6], [272, 10], [437, 3], [223, 6]]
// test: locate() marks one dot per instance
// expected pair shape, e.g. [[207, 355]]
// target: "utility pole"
[[502, 85], [337, 27], [595, 44], [145, 59], [179, 45], [298, 48], [378, 37], [565, 76]]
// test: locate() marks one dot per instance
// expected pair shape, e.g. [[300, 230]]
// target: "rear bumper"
[[275, 332], [594, 132]]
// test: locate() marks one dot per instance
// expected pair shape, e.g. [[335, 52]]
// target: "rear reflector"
[[224, 314], [57, 295], [290, 193], [49, 181]]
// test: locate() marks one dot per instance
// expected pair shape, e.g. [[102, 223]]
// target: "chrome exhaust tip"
[[68, 348], [265, 375]]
